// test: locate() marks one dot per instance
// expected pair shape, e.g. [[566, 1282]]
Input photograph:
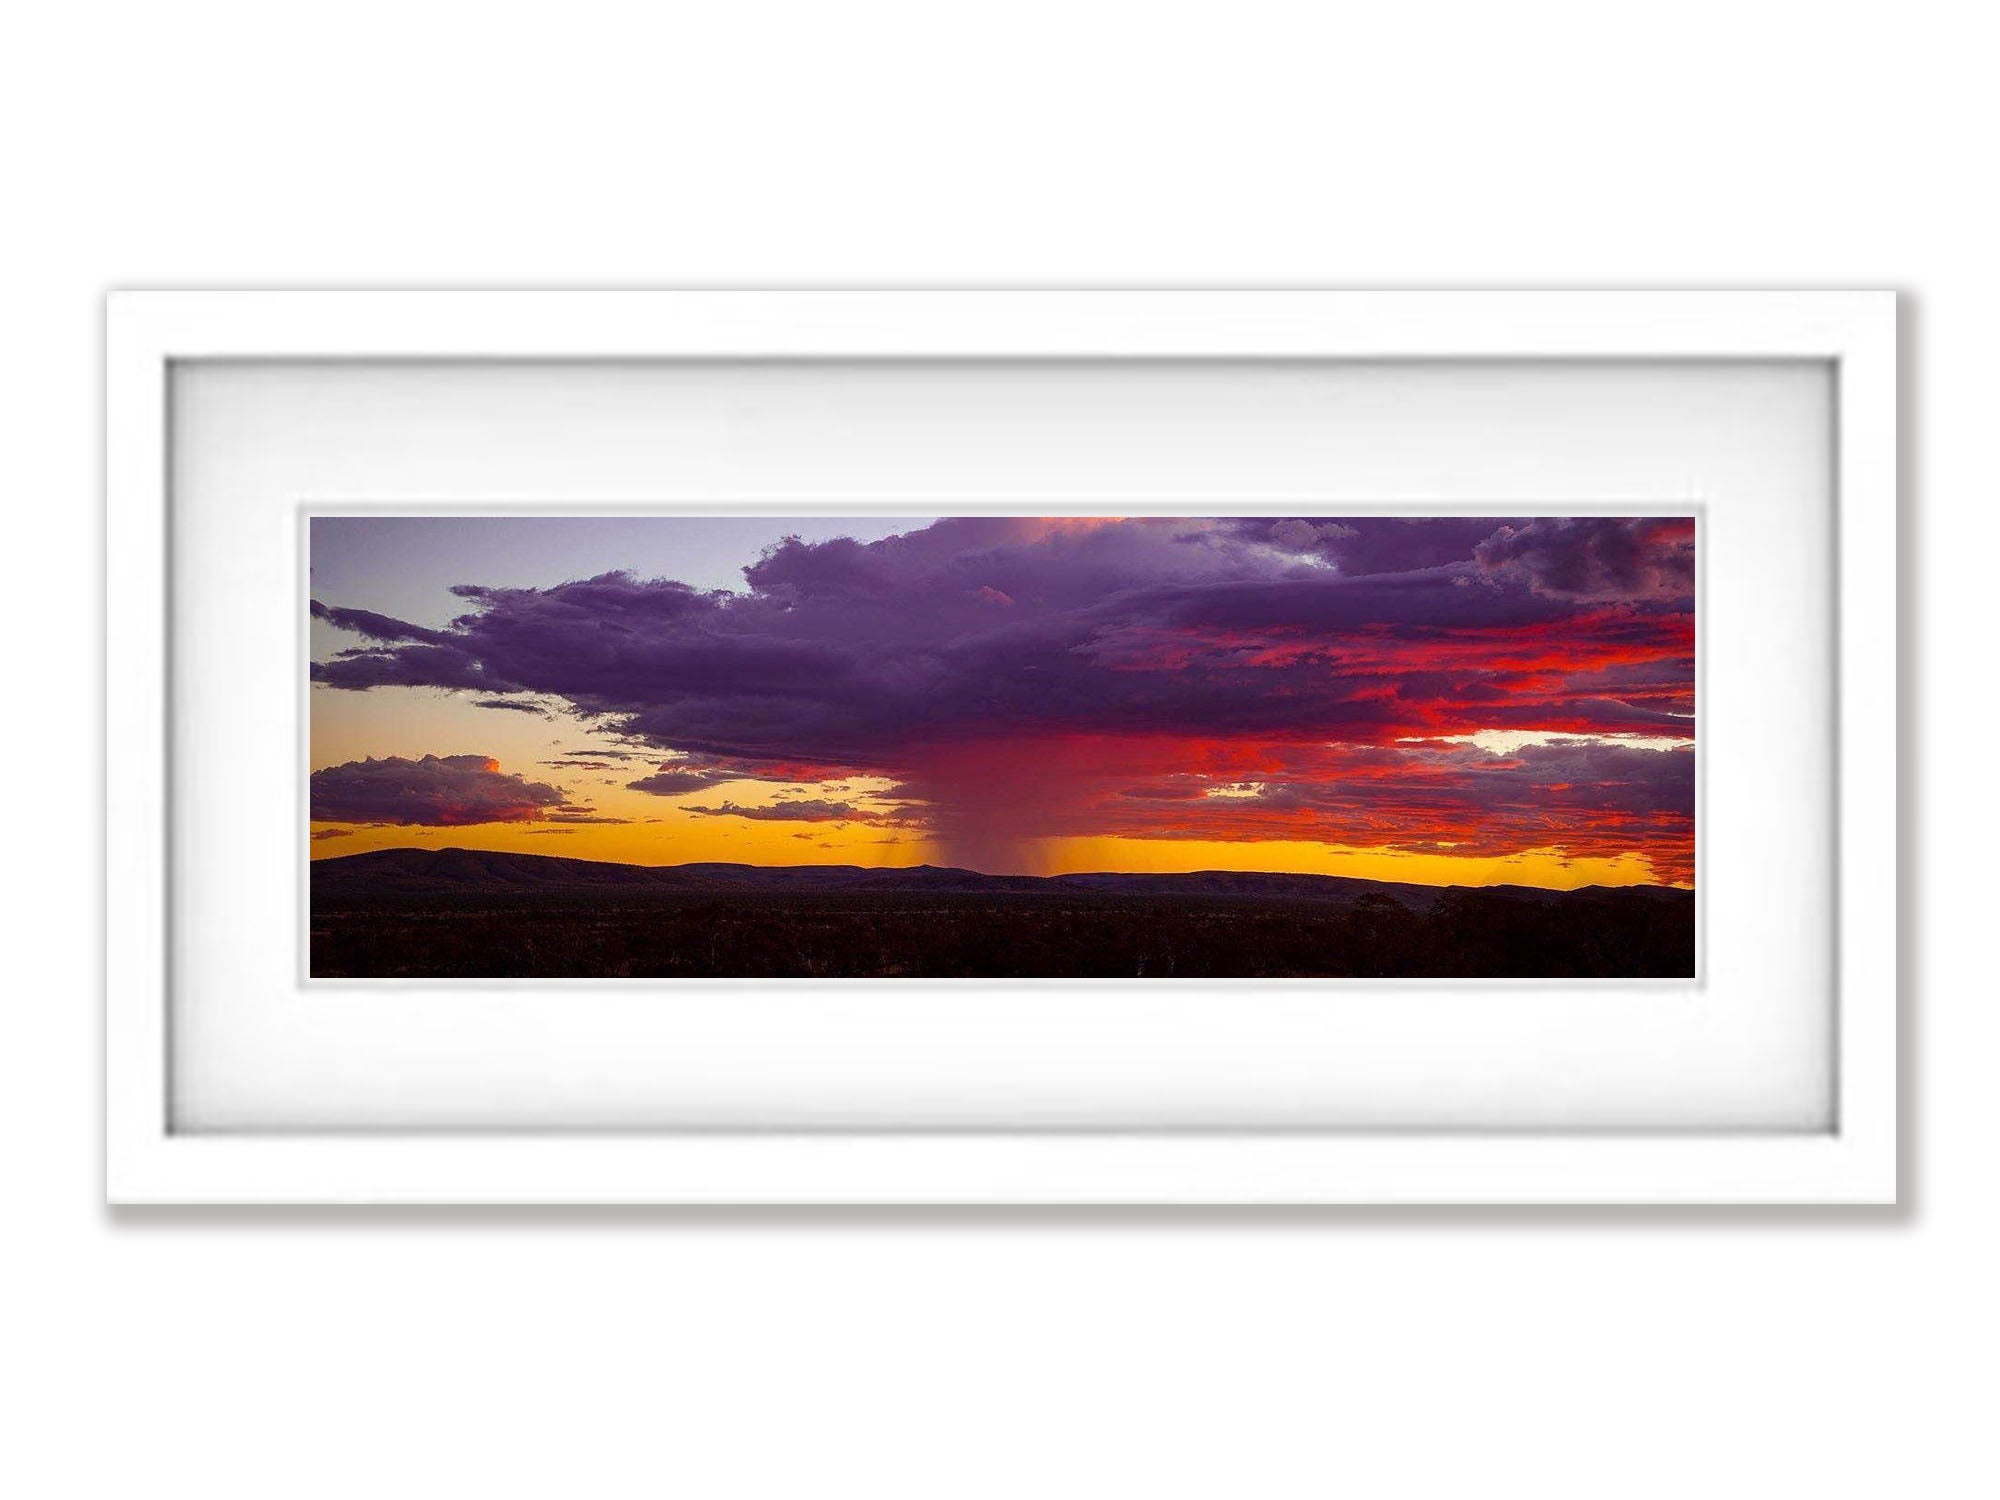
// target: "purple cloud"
[[376, 627], [436, 791], [1595, 558], [408, 666], [798, 810], [675, 783]]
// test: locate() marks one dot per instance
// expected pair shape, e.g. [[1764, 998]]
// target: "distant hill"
[[472, 872]]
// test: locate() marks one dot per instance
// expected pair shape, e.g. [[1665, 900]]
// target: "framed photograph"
[[1002, 747]]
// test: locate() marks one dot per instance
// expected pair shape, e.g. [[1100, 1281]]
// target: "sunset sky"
[[1444, 700]]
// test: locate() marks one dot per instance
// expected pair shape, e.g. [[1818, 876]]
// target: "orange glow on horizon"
[[1547, 868]]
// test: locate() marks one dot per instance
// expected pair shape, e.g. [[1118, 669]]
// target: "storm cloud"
[[979, 663]]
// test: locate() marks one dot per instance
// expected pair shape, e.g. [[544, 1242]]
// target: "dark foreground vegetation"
[[409, 919]]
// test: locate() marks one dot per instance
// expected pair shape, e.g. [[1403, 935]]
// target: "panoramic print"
[[1148, 748]]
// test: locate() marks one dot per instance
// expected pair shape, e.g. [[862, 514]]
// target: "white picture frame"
[[1852, 1161]]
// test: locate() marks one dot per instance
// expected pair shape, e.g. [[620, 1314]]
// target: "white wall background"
[[1448, 1354]]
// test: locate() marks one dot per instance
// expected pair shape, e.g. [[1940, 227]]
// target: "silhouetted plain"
[[454, 913]]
